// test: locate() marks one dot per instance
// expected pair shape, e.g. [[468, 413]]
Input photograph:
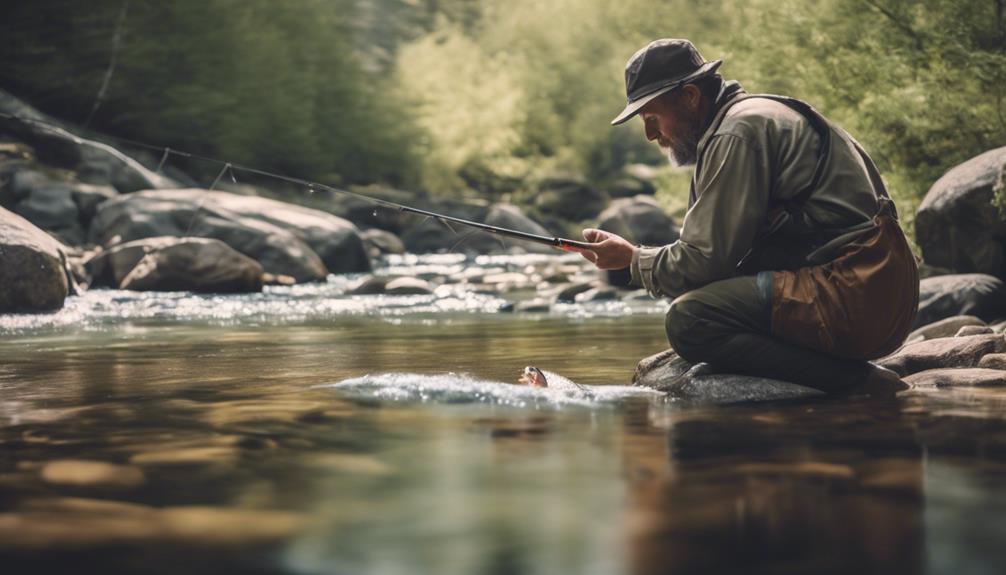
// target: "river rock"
[[197, 265], [286, 239], [430, 235], [957, 225], [628, 186], [567, 294], [537, 305], [979, 295], [993, 361], [943, 352], [668, 372], [944, 328], [957, 377], [569, 197], [93, 474], [379, 242], [640, 220], [973, 330], [595, 294], [52, 208], [56, 144], [33, 268], [107, 268], [369, 285], [511, 217], [408, 286]]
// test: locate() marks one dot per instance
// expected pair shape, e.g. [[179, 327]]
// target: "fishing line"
[[553, 241]]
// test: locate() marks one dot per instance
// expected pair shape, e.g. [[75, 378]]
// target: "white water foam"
[[453, 388]]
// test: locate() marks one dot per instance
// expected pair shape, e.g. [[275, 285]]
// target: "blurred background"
[[454, 97]]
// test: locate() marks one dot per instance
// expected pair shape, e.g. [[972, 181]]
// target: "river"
[[305, 431]]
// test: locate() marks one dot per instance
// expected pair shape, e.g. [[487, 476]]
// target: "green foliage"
[[279, 85], [491, 94]]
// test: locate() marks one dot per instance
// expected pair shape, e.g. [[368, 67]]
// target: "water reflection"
[[173, 446]]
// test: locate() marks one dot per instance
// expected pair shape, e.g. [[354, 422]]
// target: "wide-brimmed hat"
[[660, 67]]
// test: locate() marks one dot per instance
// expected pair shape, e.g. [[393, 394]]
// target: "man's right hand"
[[607, 250]]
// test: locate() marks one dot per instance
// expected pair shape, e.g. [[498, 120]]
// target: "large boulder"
[[197, 265], [957, 225], [569, 197], [62, 208], [57, 144], [640, 220], [430, 235], [944, 352], [669, 373], [978, 295], [286, 239], [33, 274]]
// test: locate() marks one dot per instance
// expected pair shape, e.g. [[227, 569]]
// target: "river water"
[[305, 431]]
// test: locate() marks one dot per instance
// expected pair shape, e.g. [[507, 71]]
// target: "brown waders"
[[815, 326]]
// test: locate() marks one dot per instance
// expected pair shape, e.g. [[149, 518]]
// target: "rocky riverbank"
[[78, 213]]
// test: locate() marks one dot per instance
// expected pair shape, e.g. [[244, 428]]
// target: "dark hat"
[[660, 67]]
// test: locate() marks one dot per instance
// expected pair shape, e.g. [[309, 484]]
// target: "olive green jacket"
[[761, 153]]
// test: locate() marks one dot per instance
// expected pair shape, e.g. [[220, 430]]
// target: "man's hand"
[[607, 251]]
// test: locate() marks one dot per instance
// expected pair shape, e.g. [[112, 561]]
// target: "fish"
[[535, 377]]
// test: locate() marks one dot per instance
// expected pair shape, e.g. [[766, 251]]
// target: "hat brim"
[[633, 107]]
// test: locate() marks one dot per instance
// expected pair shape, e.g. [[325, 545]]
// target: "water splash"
[[452, 388]]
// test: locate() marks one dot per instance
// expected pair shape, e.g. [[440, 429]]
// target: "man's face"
[[673, 123]]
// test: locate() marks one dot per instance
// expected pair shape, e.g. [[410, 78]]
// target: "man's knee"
[[684, 327]]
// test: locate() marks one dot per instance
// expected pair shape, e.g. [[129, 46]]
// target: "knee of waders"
[[682, 324]]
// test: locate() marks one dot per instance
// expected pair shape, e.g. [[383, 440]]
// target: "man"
[[791, 264]]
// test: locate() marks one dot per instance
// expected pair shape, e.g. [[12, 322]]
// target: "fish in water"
[[535, 377]]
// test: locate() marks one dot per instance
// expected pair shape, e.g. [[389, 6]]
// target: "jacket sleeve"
[[733, 186]]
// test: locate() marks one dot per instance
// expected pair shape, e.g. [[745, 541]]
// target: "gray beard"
[[684, 153]]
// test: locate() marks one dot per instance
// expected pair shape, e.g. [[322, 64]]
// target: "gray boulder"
[[62, 208], [33, 273], [197, 265], [943, 352], [569, 197], [511, 217], [107, 268], [429, 235], [286, 239], [957, 226], [979, 295], [379, 242], [408, 286], [669, 373], [640, 220], [55, 143]]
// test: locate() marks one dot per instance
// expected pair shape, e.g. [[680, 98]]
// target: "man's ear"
[[691, 95]]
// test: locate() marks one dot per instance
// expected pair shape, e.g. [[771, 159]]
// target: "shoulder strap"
[[820, 125]]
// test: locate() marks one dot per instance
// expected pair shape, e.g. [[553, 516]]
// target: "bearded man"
[[791, 263]]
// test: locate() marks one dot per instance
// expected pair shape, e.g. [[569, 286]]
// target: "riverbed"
[[170, 433]]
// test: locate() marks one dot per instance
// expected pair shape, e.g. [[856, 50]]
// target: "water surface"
[[180, 433]]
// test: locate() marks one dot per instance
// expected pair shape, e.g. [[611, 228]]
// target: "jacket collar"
[[729, 93]]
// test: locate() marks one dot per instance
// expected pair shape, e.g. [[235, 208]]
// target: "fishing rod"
[[552, 241]]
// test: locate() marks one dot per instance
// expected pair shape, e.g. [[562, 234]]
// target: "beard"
[[683, 149]]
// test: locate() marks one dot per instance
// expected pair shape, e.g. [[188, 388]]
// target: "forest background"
[[484, 97]]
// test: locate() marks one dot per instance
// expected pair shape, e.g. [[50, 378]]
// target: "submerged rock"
[[96, 474], [943, 352], [379, 242], [957, 225], [979, 295], [669, 373], [33, 268]]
